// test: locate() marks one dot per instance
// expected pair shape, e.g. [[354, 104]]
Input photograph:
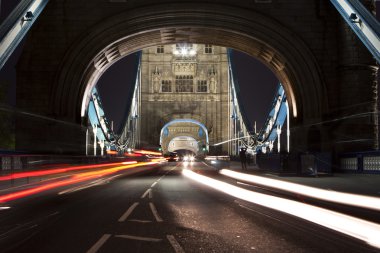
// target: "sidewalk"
[[364, 184]]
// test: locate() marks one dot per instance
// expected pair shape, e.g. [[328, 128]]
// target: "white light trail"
[[332, 196], [220, 143], [355, 227]]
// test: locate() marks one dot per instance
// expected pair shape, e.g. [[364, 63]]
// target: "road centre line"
[[139, 238], [128, 212], [155, 213], [99, 243], [140, 221], [146, 193], [177, 248], [153, 184], [83, 187], [150, 194]]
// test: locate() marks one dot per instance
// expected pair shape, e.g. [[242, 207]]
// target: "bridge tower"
[[190, 82]]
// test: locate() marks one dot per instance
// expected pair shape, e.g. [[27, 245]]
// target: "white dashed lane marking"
[[140, 221], [128, 212], [155, 213], [146, 193], [177, 248], [139, 238], [99, 243]]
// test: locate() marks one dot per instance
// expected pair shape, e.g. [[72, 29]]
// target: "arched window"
[[166, 86], [184, 83], [202, 86]]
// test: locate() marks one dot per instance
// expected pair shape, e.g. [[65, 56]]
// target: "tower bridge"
[[317, 65], [185, 97]]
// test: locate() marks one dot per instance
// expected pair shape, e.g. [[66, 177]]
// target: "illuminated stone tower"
[[188, 82]]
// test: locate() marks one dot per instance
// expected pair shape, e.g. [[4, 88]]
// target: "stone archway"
[[100, 39], [254, 33]]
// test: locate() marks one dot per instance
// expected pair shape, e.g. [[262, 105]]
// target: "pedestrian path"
[[364, 184]]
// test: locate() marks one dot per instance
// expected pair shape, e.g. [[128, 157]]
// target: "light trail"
[[74, 179], [354, 227], [55, 171], [220, 143], [147, 152], [332, 196]]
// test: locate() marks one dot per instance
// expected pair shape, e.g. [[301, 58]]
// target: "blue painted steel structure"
[[16, 26], [276, 118], [242, 133], [362, 22], [97, 118]]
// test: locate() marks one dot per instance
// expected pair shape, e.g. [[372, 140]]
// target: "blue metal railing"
[[362, 22], [16, 26], [276, 118]]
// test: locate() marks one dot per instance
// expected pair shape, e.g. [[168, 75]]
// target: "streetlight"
[[95, 129], [278, 131]]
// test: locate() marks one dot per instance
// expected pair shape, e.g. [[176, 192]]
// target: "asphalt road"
[[159, 211]]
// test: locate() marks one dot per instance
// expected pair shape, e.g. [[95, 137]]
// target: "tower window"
[[208, 49], [184, 83], [202, 86], [166, 86], [160, 49]]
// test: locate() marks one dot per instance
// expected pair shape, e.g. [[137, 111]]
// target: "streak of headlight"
[[55, 171], [220, 143], [355, 227], [74, 179], [147, 152], [332, 196], [159, 159]]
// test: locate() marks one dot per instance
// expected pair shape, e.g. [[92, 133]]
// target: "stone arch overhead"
[[246, 30]]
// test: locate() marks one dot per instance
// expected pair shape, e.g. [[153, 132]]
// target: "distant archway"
[[183, 143], [180, 134], [184, 121]]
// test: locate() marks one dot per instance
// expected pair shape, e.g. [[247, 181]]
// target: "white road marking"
[[150, 194], [82, 187], [153, 184], [207, 165], [99, 243], [138, 238], [146, 193], [155, 213], [243, 183], [128, 212], [141, 221], [177, 248]]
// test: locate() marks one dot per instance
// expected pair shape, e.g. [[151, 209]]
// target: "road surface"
[[158, 211]]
